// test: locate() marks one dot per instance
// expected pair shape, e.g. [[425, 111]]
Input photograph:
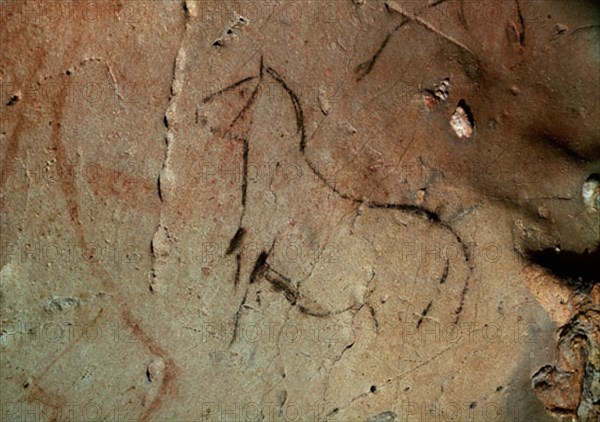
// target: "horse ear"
[[226, 110]]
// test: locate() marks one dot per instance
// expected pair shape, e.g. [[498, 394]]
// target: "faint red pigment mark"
[[69, 190], [48, 399], [12, 149], [136, 193], [171, 372]]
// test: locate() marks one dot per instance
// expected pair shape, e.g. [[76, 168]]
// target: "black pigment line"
[[297, 107], [259, 266], [445, 273], [521, 24], [365, 68], [246, 153], [462, 302], [238, 317], [424, 313], [262, 68], [285, 285], [236, 241], [238, 267], [227, 89], [247, 106]]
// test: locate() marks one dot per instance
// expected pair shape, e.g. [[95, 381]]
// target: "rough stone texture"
[[260, 211]]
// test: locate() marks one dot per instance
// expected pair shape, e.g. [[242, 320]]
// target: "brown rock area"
[[348, 210]]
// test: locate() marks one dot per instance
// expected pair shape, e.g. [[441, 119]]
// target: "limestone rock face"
[[299, 210]]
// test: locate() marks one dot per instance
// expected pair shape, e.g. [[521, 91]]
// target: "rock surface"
[[219, 210]]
